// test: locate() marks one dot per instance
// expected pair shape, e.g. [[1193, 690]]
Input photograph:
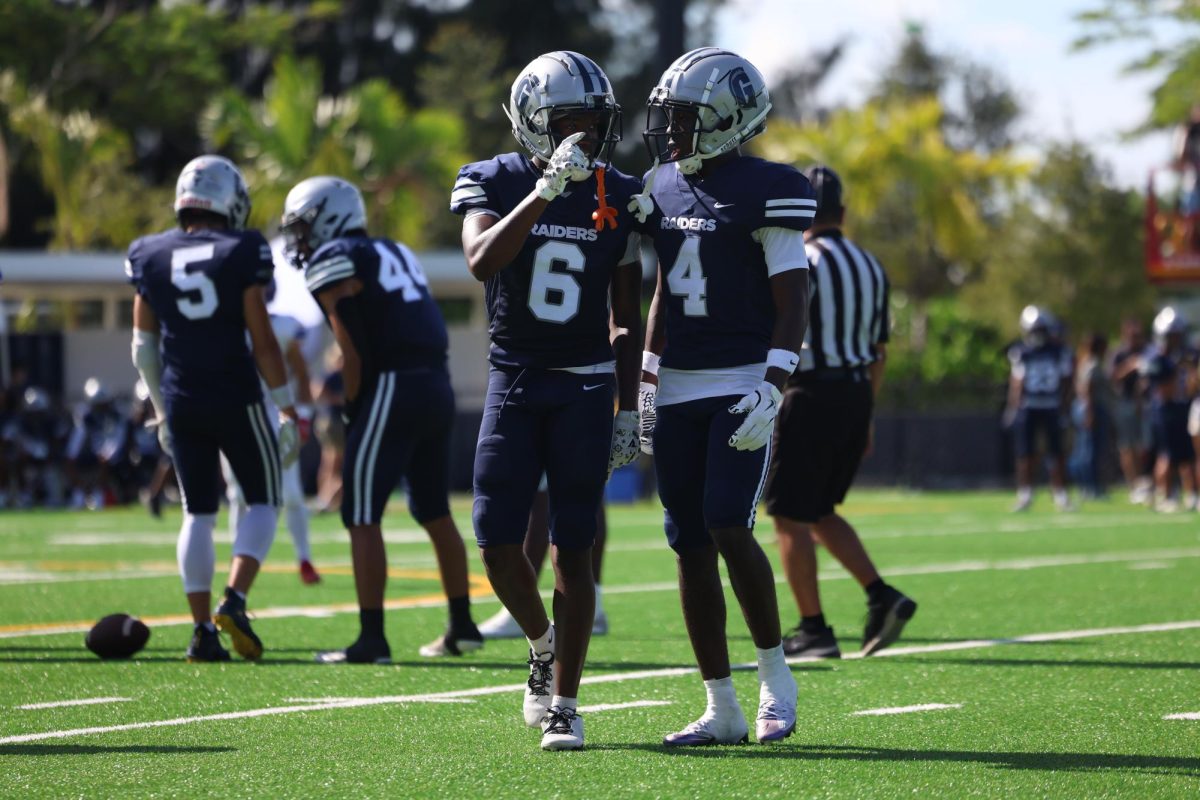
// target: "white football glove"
[[289, 441], [568, 163], [625, 440], [159, 426], [760, 407], [648, 405], [642, 205]]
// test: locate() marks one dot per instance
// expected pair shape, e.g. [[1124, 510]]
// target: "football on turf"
[[117, 636]]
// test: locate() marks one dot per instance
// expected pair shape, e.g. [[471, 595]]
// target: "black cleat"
[[454, 642], [365, 650], [206, 646], [811, 644], [231, 618], [886, 619]]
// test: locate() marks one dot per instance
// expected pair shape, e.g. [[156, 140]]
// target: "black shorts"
[[820, 437], [1032, 423], [402, 430]]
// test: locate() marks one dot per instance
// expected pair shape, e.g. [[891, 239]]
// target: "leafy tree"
[[1073, 242], [83, 162], [404, 160], [908, 197], [1177, 60]]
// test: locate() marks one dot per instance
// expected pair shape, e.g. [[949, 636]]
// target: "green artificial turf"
[[1067, 717]]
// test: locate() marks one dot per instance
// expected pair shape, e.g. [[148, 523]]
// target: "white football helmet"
[[1167, 322], [1036, 323], [558, 82], [95, 392], [724, 91], [213, 183], [318, 210]]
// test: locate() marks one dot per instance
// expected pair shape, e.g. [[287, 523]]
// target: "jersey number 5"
[[686, 279], [554, 296], [200, 300]]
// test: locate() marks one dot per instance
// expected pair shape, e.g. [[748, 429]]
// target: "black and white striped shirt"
[[848, 312]]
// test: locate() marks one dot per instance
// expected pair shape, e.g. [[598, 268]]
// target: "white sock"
[[771, 663], [720, 694], [544, 643], [1060, 496], [296, 512], [1024, 493], [563, 703], [599, 601], [255, 532], [195, 552]]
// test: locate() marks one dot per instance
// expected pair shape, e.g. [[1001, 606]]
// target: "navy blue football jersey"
[[716, 290], [549, 307], [401, 324], [195, 282], [1042, 371]]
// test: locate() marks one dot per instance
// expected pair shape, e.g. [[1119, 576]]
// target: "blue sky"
[[1065, 94]]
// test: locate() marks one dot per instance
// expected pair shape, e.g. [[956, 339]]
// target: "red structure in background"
[[1172, 240]]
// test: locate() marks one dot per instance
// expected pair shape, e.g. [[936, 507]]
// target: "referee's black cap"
[[828, 188]]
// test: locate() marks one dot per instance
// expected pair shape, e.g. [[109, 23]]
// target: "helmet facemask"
[[544, 141], [299, 239], [674, 130]]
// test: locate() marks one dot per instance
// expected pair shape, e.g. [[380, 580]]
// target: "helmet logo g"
[[741, 88]]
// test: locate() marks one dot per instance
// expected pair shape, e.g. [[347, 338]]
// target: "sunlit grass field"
[[1056, 648]]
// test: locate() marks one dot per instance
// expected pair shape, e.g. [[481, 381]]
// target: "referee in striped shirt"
[[824, 429]]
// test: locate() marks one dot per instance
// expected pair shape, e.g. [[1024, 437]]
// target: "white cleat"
[[562, 729], [539, 687], [776, 711], [726, 727], [1024, 503], [501, 625]]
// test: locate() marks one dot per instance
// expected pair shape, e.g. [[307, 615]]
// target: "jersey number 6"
[[563, 304]]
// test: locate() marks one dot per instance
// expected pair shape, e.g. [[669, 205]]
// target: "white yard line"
[[90, 701], [618, 706], [1019, 564], [1190, 715], [414, 699], [617, 677], [883, 712]]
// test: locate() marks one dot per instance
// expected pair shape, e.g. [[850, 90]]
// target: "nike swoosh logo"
[[722, 205], [597, 386]]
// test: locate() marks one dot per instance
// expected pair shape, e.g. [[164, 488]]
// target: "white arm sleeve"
[[633, 249], [783, 248], [148, 361]]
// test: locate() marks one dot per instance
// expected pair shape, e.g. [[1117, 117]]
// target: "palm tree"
[[404, 160]]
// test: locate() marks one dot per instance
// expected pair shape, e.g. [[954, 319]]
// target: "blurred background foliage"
[[103, 101]]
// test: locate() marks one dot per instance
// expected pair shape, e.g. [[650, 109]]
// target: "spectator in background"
[[1092, 415], [1171, 374], [36, 437], [1131, 421], [1187, 158], [98, 449]]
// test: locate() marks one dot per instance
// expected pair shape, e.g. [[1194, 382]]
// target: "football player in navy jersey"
[[199, 290], [399, 404], [726, 325], [1040, 379], [548, 234]]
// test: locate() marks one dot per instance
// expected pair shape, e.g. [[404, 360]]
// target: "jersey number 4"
[[686, 279], [399, 273], [554, 296], [200, 293]]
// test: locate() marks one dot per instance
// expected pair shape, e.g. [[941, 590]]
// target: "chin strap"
[[604, 214]]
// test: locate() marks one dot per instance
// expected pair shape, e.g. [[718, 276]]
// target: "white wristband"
[[785, 360], [650, 362], [282, 396]]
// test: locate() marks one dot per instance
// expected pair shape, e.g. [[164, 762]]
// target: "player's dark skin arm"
[[299, 369], [263, 342], [789, 290], [656, 329], [490, 244], [351, 360], [626, 332]]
